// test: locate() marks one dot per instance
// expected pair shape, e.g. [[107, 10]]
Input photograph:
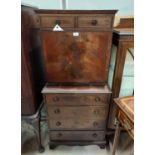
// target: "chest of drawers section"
[[77, 114]]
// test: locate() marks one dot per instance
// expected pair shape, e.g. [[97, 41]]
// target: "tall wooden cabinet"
[[32, 76], [76, 62]]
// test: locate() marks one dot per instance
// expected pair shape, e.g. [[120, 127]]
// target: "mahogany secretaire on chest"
[[76, 62]]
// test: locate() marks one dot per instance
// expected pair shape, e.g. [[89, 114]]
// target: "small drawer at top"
[[51, 21], [95, 22]]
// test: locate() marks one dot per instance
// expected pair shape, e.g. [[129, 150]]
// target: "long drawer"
[[77, 99], [77, 135], [77, 124], [77, 112]]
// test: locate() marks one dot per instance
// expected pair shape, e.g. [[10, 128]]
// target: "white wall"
[[44, 4], [125, 7]]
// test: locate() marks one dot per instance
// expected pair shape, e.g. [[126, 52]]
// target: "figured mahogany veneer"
[[76, 62], [84, 58]]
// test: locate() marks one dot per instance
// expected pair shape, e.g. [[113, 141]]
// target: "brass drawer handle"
[[97, 99], [94, 135], [57, 111], [95, 124], [57, 22], [55, 99], [94, 22], [58, 123], [59, 135]]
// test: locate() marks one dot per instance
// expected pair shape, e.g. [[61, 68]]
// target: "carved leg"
[[116, 138]]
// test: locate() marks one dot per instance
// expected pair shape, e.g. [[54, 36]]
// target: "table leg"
[[117, 80], [116, 138]]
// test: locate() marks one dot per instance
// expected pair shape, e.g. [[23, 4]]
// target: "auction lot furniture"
[[32, 77], [124, 117], [123, 38], [76, 48]]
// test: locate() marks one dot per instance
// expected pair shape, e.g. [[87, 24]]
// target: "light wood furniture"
[[123, 38], [125, 118]]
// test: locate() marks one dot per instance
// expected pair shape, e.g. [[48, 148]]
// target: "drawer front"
[[77, 135], [77, 99], [77, 112], [51, 21], [126, 123], [77, 124], [95, 22]]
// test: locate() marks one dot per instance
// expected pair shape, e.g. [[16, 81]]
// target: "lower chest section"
[[77, 116]]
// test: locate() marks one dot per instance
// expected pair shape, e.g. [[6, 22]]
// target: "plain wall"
[[125, 7]]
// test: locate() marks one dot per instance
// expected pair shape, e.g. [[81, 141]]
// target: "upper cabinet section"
[[82, 57], [77, 19], [76, 44]]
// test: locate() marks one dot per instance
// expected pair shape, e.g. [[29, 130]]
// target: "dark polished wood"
[[81, 110], [72, 112], [76, 22], [125, 118], [77, 135], [76, 62], [74, 99], [42, 11], [76, 59], [78, 124], [32, 77], [50, 21], [123, 38]]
